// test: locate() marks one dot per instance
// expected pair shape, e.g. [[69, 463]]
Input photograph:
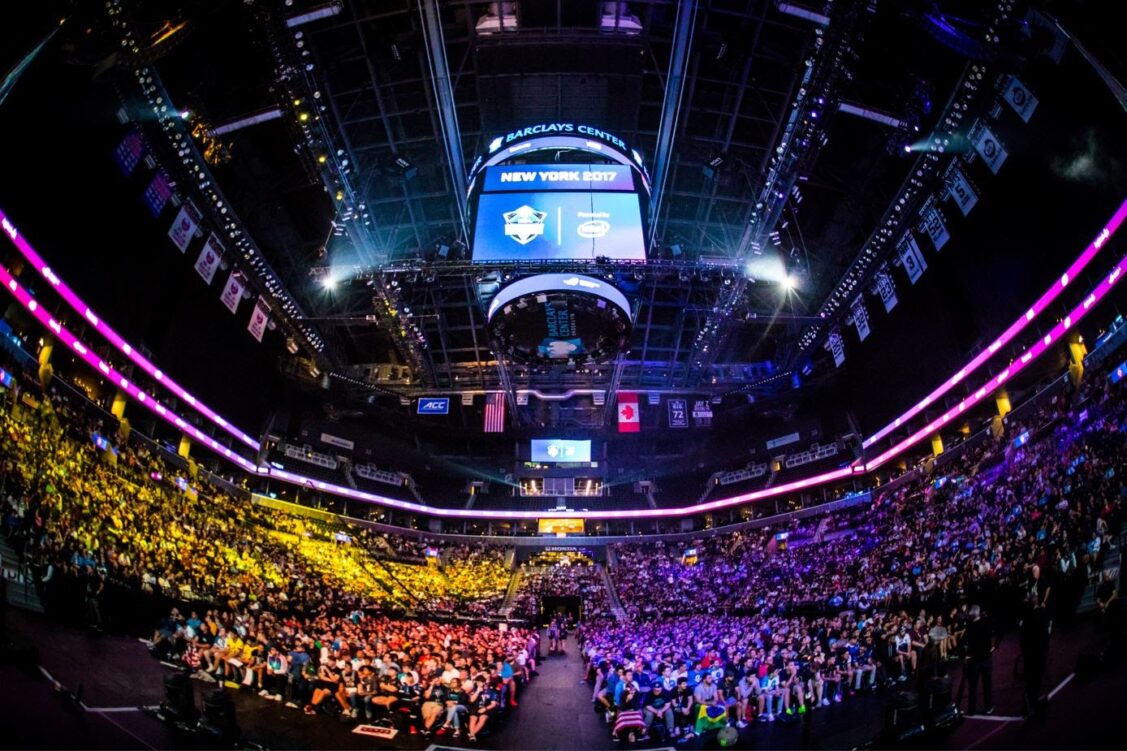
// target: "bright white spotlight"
[[329, 283], [788, 283]]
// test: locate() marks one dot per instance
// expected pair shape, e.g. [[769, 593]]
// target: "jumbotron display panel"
[[553, 450], [545, 212]]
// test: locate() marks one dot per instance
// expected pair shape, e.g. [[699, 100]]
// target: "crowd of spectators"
[[773, 630], [584, 581], [87, 516], [298, 609], [420, 676], [754, 628]]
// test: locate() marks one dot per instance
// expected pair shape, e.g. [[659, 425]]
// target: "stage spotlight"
[[329, 283], [789, 283]]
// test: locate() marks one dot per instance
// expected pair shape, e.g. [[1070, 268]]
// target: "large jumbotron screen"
[[558, 212]]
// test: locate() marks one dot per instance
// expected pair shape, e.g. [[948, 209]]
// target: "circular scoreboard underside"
[[560, 318]]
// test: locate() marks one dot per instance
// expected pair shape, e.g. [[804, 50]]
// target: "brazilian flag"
[[711, 718]]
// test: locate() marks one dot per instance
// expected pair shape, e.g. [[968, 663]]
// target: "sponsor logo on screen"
[[524, 224], [596, 225]]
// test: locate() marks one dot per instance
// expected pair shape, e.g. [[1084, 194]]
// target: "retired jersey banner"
[[259, 319], [990, 149], [960, 189], [836, 346], [232, 292], [702, 413], [886, 289], [935, 227], [912, 257], [183, 229], [208, 262], [678, 413], [629, 421], [861, 318], [1020, 99]]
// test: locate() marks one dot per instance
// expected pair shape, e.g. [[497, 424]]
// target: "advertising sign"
[[560, 526], [433, 405]]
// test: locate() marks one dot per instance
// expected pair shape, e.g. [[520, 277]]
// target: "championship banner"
[[990, 149], [836, 345], [935, 227], [628, 418], [258, 319], [886, 289], [912, 257], [678, 413], [861, 318], [129, 152], [158, 193], [959, 188], [1020, 99], [232, 292], [208, 262], [183, 229]]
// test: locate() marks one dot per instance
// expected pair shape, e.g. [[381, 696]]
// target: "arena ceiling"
[[775, 133]]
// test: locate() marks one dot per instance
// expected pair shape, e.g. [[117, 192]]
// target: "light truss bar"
[[264, 116], [683, 28], [328, 10], [798, 11], [868, 113], [447, 110]]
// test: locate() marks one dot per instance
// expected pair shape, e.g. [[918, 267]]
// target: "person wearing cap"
[[656, 707]]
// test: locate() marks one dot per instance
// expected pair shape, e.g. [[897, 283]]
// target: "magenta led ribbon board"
[[1032, 353], [150, 403], [137, 394], [1015, 328], [112, 336]]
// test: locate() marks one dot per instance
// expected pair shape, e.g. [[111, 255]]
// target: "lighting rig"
[[915, 193], [172, 136], [796, 148]]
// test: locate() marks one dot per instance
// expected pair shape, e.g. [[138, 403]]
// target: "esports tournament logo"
[[524, 224]]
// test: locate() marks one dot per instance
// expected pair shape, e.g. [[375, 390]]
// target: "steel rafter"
[[443, 91]]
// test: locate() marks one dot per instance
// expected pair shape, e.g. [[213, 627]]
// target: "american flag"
[[494, 413]]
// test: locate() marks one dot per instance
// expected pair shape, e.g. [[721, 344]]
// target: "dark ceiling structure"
[[737, 107], [791, 147]]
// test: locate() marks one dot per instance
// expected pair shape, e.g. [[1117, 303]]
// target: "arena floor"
[[117, 675]]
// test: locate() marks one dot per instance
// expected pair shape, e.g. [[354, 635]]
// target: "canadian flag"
[[628, 421]]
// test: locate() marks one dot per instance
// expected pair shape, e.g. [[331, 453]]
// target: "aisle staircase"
[[1111, 563], [612, 594], [21, 588], [506, 608]]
